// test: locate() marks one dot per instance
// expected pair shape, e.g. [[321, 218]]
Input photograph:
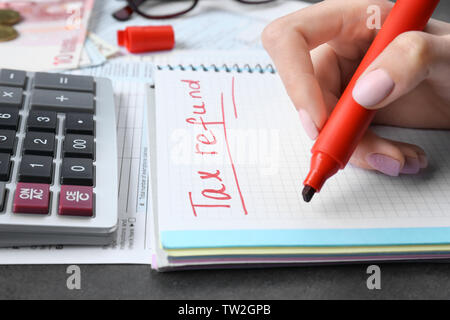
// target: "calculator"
[[58, 160]]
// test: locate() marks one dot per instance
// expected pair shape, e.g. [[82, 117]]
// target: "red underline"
[[233, 97], [231, 158]]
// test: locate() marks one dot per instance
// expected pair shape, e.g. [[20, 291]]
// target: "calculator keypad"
[[58, 138], [58, 161]]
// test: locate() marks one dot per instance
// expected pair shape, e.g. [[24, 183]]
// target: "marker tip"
[[308, 193]]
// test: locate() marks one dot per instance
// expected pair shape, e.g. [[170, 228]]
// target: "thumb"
[[400, 68]]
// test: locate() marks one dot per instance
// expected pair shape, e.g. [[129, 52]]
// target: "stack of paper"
[[228, 156]]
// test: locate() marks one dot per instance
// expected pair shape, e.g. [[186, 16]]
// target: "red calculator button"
[[76, 201], [32, 198]]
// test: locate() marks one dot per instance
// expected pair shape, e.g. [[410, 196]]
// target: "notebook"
[[231, 156]]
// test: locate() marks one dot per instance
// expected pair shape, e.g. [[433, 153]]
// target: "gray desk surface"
[[415, 280]]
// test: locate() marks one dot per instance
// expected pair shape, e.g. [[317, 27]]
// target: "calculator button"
[[62, 101], [57, 81], [5, 166], [82, 123], [9, 118], [78, 146], [13, 78], [36, 169], [7, 141], [42, 121], [39, 143], [76, 201], [2, 195], [11, 97], [32, 198], [78, 172]]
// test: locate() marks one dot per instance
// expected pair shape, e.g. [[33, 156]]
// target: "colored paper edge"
[[304, 238]]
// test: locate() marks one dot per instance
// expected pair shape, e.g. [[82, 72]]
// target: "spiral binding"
[[224, 68]]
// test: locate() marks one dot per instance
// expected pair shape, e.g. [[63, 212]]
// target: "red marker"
[[349, 120]]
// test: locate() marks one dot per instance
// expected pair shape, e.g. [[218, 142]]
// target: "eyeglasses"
[[164, 9]]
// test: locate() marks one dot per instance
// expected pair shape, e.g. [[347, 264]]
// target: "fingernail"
[[373, 88], [411, 166], [308, 124], [384, 164], [423, 160]]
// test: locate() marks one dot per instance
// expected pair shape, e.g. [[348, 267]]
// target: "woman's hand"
[[316, 51]]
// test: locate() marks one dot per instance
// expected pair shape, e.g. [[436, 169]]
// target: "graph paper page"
[[232, 155]]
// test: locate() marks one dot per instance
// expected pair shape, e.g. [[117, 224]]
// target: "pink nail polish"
[[373, 88], [411, 166], [308, 124], [384, 164]]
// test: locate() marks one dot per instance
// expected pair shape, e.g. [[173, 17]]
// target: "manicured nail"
[[384, 164], [411, 166], [373, 88], [308, 124], [423, 160]]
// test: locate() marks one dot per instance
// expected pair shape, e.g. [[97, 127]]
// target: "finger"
[[415, 157], [327, 71], [387, 156], [289, 40], [409, 60]]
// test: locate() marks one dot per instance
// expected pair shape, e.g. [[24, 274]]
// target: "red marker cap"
[[146, 39]]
